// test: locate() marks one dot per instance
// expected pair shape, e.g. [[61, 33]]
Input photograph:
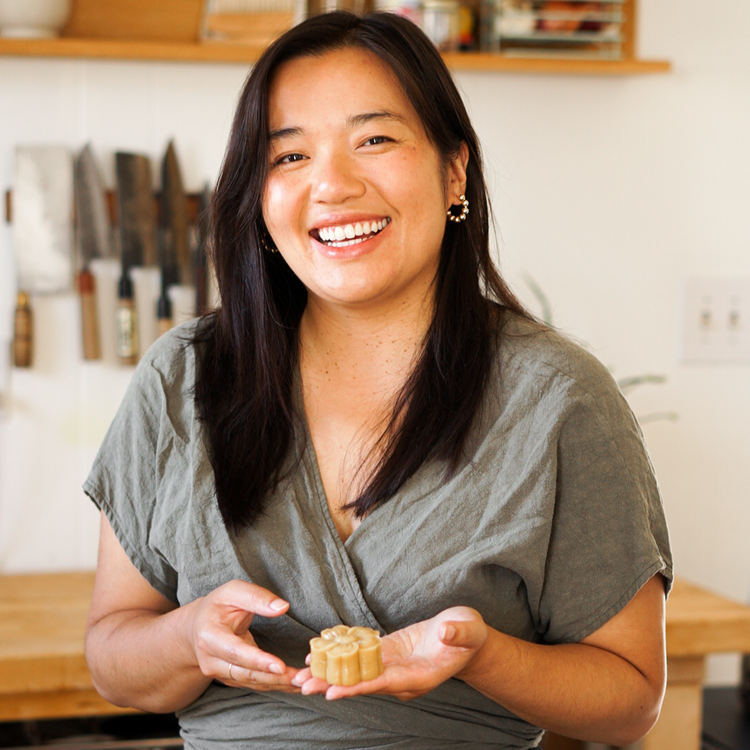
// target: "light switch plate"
[[715, 321]]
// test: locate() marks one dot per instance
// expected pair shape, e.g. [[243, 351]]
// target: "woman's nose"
[[335, 179]]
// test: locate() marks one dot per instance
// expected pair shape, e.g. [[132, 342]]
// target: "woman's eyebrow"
[[354, 121], [276, 135]]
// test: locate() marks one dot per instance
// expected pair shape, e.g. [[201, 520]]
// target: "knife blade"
[[137, 211], [172, 236], [94, 241], [201, 269], [43, 218], [175, 215]]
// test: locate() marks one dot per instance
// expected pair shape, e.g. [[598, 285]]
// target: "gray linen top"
[[549, 528]]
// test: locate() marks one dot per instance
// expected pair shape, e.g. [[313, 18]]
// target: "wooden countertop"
[[700, 622], [43, 619], [43, 671]]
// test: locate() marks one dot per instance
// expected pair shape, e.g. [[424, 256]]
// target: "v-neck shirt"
[[549, 527]]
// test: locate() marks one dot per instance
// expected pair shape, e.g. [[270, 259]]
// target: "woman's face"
[[357, 195]]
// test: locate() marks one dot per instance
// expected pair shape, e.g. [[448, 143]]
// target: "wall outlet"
[[715, 317]]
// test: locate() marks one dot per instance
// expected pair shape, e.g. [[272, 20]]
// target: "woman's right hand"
[[224, 647], [145, 651]]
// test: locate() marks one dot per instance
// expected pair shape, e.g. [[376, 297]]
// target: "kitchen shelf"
[[169, 30], [221, 52], [502, 63]]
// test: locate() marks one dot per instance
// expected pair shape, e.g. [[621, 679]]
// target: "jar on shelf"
[[411, 9], [441, 22]]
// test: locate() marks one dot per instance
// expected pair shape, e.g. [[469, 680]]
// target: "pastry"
[[345, 656]]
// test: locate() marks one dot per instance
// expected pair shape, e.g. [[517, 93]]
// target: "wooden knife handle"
[[23, 331], [89, 322]]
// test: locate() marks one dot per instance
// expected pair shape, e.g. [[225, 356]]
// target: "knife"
[[94, 241], [137, 242], [43, 223], [173, 245], [201, 269], [175, 214]]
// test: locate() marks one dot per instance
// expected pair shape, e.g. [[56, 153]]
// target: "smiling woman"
[[371, 430]]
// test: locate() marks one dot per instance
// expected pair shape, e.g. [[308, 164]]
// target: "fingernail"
[[275, 668], [449, 633], [277, 604]]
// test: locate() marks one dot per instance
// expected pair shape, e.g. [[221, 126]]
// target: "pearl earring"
[[464, 211]]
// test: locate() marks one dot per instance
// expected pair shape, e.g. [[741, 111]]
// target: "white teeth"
[[346, 243], [340, 236]]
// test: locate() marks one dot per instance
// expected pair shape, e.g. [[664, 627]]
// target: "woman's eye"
[[288, 159], [376, 140]]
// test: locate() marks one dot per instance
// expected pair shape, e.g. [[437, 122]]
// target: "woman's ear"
[[457, 175]]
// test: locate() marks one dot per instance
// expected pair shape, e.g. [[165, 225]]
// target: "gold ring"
[[230, 672]]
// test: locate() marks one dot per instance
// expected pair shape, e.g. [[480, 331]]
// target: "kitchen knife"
[[43, 233], [175, 215], [137, 243], [173, 238], [94, 241], [201, 270]]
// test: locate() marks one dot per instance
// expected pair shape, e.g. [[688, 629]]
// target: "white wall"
[[607, 191]]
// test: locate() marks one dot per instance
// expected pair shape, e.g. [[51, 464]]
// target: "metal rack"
[[576, 29]]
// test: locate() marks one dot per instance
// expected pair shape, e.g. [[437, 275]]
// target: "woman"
[[371, 430]]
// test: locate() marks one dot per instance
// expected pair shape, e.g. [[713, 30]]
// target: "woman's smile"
[[350, 234]]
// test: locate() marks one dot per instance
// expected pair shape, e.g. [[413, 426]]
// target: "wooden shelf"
[[219, 52], [126, 49], [499, 63], [170, 30]]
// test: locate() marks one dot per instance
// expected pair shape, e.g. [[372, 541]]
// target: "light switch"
[[715, 321]]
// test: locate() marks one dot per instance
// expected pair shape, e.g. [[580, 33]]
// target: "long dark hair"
[[249, 346]]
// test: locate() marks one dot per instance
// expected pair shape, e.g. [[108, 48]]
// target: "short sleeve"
[[609, 533], [123, 480]]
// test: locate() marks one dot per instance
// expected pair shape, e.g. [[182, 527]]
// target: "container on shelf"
[[252, 22], [33, 18], [557, 28], [441, 22], [411, 9]]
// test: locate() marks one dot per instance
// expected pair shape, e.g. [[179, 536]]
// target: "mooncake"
[[345, 656]]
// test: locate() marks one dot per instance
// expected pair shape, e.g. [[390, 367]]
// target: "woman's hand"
[[145, 651], [416, 659], [224, 647]]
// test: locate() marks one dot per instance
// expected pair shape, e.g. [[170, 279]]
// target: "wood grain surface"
[[43, 671]]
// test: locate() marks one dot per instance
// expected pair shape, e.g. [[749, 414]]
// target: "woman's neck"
[[373, 350], [353, 365]]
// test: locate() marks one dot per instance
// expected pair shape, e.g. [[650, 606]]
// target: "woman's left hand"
[[416, 659]]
